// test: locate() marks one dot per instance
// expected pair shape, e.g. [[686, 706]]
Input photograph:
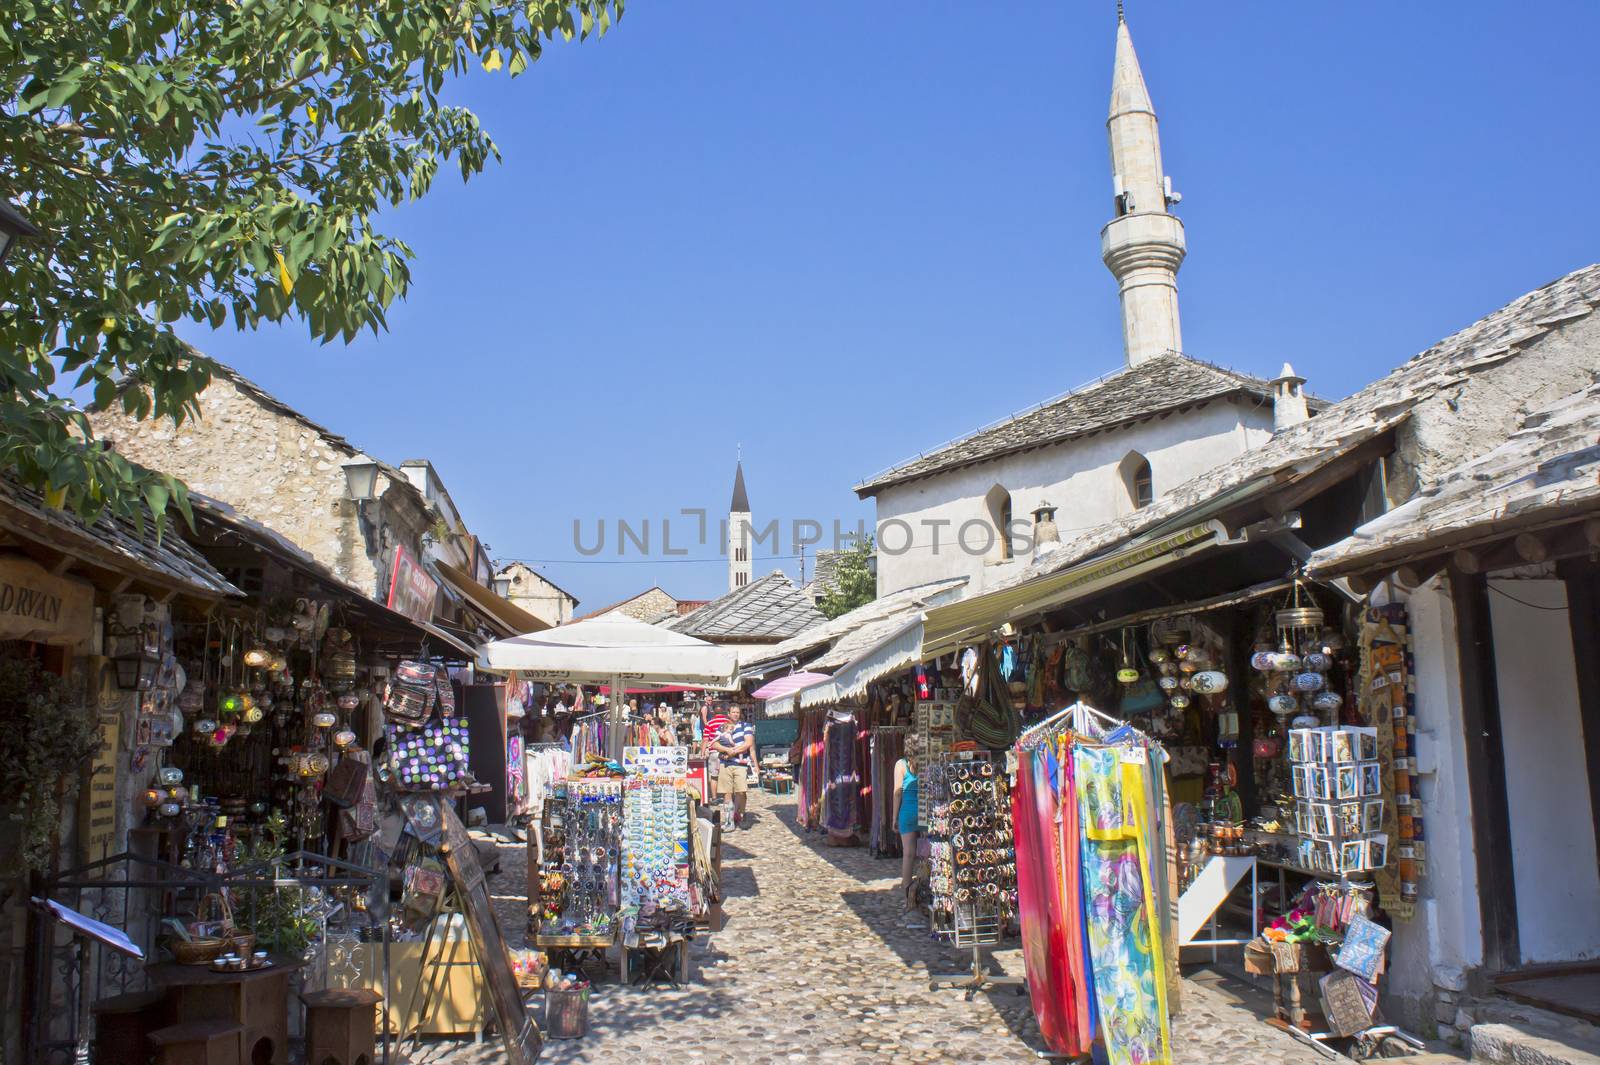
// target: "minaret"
[[738, 532], [1143, 246]]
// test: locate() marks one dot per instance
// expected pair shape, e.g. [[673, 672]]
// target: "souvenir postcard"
[[1362, 952], [1372, 816], [1343, 746], [1349, 819], [1371, 779], [1302, 781], [1353, 856], [1377, 851], [1321, 782], [1347, 782]]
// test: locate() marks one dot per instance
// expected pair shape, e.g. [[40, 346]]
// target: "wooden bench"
[[122, 1027], [341, 1026], [200, 1043]]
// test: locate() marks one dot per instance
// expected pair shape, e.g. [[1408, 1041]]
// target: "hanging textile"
[[1044, 820], [888, 747], [1124, 934], [843, 781], [809, 781]]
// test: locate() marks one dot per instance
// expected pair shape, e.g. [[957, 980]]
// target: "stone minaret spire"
[[739, 532], [1143, 245]]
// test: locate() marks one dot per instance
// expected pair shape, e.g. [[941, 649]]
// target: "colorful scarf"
[[1124, 938]]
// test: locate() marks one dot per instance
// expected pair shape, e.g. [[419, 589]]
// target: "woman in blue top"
[[905, 806]]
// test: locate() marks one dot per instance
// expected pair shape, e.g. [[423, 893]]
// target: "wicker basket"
[[199, 951], [214, 913]]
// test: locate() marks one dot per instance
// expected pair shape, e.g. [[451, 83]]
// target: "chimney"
[[1288, 399], [1044, 525]]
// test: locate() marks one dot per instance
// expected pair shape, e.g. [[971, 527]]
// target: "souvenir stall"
[[266, 730], [592, 885]]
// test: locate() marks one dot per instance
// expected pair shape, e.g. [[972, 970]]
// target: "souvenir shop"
[[286, 746]]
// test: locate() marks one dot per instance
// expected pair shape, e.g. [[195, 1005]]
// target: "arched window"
[[998, 501], [1137, 480]]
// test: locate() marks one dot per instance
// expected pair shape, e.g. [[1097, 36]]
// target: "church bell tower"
[[1143, 245], [739, 565]]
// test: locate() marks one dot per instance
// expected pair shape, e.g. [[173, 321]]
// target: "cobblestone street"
[[815, 964]]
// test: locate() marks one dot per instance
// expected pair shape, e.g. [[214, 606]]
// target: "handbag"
[[345, 782], [430, 757]]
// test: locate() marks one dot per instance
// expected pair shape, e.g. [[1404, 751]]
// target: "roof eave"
[[868, 489]]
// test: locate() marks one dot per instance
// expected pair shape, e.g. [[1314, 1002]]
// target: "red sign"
[[411, 591]]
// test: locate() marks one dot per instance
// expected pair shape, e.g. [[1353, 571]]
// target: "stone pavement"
[[816, 965]]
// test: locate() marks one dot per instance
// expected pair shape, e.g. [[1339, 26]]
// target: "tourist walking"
[[734, 747], [906, 799]]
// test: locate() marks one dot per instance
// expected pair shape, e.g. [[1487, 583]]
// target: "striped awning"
[[785, 685]]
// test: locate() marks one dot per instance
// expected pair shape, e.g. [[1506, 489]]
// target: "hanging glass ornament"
[[253, 715], [1310, 682], [1264, 661], [1327, 702], [169, 809], [1166, 684], [257, 658], [178, 794], [168, 775], [1209, 682], [1180, 701], [1317, 662], [344, 739], [1159, 656], [1282, 704], [324, 719], [153, 797], [231, 703], [349, 701], [205, 727]]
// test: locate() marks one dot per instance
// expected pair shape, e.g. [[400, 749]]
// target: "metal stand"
[[979, 978]]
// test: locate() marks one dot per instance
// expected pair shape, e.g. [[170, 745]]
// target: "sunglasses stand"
[[973, 858]]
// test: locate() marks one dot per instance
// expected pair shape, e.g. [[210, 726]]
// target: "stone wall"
[[280, 471], [533, 593], [649, 605]]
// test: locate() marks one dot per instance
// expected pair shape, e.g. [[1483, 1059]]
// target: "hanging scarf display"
[[1091, 869]]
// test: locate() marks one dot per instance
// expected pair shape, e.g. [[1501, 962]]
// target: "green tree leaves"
[[200, 161], [854, 582]]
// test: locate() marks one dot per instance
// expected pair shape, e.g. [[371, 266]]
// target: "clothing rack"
[[1086, 721]]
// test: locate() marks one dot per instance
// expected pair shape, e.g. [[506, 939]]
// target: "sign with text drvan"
[[38, 605]]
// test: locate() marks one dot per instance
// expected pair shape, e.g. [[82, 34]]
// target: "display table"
[[258, 1000], [460, 1004]]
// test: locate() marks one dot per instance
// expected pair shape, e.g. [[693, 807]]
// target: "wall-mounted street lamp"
[[361, 478], [502, 587], [12, 227]]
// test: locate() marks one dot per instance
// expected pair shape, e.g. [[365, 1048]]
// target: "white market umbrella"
[[618, 651]]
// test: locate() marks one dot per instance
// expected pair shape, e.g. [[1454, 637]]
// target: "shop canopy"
[[942, 629], [504, 615], [785, 685], [612, 650], [658, 689]]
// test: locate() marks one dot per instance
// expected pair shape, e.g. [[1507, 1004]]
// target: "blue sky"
[[839, 235]]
